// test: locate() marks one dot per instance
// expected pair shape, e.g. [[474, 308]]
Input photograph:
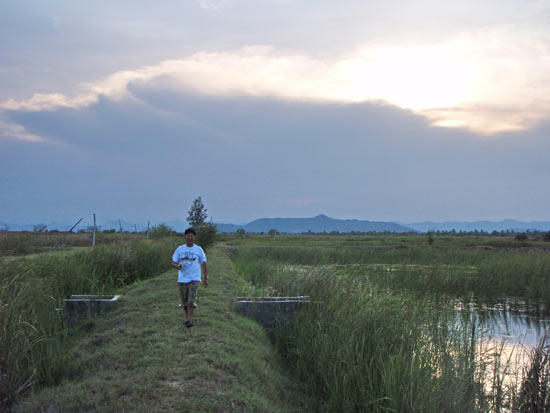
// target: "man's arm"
[[176, 265], [205, 270]]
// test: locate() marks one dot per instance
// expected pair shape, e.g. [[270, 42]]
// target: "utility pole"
[[93, 234], [120, 225], [148, 223]]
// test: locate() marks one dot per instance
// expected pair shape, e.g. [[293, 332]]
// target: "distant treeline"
[[544, 235]]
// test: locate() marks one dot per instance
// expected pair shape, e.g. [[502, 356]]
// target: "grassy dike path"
[[140, 357]]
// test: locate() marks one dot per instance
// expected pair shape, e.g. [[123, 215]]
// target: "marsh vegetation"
[[32, 290], [400, 324]]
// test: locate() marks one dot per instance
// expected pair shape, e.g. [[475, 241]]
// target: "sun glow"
[[417, 78], [489, 81]]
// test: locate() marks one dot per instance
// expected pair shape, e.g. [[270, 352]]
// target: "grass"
[[15, 243], [33, 339], [384, 240], [534, 395], [366, 349], [453, 270], [379, 335], [139, 357], [382, 333]]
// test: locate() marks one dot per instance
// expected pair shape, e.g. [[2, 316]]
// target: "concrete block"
[[271, 312], [85, 306]]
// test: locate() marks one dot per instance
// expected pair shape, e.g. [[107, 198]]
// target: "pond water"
[[513, 321], [511, 330], [516, 328]]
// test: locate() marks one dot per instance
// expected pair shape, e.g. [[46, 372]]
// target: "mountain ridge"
[[319, 223]]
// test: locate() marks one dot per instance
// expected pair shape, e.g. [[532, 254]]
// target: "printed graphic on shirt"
[[189, 257]]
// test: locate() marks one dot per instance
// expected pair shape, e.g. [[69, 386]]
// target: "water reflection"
[[517, 322], [517, 328]]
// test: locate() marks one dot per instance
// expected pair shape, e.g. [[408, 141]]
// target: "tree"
[[240, 231], [546, 237], [197, 214], [39, 228], [206, 231], [273, 232]]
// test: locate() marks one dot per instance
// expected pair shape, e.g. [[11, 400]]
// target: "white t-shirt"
[[190, 259]]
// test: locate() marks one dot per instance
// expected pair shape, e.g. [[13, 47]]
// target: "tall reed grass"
[[488, 275], [367, 344], [534, 395], [32, 339], [25, 242]]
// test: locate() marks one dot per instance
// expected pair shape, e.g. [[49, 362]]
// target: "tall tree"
[[197, 214]]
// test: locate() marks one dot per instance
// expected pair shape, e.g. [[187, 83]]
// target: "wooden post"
[[120, 225], [135, 228], [148, 222], [93, 235], [63, 237]]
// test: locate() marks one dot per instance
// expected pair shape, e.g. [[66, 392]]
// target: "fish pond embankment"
[[139, 356]]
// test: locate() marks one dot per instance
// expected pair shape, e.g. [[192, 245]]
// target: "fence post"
[[93, 235]]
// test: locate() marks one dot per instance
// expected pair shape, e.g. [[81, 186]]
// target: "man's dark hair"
[[190, 231]]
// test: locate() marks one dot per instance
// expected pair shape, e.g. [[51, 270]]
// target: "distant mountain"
[[228, 227], [488, 226], [319, 223], [126, 225]]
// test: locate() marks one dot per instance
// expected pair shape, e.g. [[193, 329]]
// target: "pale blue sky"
[[386, 110]]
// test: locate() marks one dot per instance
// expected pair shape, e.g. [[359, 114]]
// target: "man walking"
[[188, 259]]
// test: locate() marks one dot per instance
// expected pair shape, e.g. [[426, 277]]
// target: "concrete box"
[[85, 306], [271, 311]]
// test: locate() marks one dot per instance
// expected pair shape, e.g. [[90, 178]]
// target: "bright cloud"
[[489, 81]]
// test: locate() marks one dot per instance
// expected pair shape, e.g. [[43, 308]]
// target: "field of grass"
[[456, 266], [139, 356], [33, 339], [13, 243], [382, 333]]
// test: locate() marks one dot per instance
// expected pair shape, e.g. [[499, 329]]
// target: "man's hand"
[[205, 271]]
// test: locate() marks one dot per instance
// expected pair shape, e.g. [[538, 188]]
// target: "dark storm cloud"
[[152, 153]]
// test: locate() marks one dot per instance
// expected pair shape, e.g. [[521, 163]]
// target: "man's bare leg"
[[189, 312]]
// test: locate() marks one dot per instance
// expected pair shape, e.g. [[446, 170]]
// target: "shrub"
[[430, 238], [160, 231], [206, 235], [521, 237]]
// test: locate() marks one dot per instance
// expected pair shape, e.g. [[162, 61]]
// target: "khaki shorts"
[[188, 292]]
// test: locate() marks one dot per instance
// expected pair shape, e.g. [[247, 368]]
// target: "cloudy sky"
[[379, 110]]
